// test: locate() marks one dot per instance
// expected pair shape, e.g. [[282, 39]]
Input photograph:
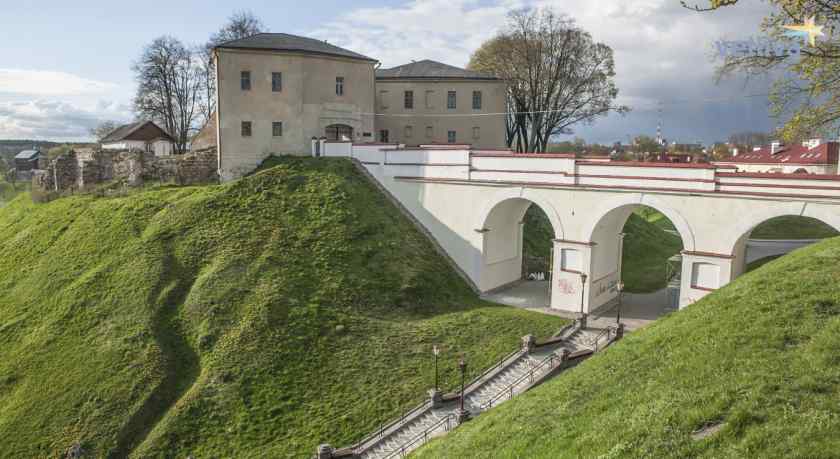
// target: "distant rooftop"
[[797, 154], [428, 69], [27, 154], [132, 131], [287, 42]]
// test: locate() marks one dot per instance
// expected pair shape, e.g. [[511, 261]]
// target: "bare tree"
[[103, 129], [169, 84], [557, 75], [240, 24]]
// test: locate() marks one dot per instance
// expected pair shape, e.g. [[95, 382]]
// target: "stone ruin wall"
[[83, 169]]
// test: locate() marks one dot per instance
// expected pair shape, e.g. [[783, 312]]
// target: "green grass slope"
[[253, 319], [759, 358], [793, 227], [647, 247]]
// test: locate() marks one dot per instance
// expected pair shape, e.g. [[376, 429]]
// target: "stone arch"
[[519, 193], [746, 224], [680, 223]]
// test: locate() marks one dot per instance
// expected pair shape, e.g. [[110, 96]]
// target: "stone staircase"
[[514, 375]]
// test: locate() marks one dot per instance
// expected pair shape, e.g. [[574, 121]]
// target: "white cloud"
[[662, 50], [43, 83], [56, 120]]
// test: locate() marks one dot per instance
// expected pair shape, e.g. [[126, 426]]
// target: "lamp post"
[[436, 352], [582, 292], [462, 414], [618, 311]]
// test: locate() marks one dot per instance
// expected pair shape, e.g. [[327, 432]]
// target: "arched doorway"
[[636, 262], [339, 132], [516, 260], [774, 237]]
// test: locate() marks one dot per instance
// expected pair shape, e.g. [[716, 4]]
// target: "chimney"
[[735, 151], [776, 147]]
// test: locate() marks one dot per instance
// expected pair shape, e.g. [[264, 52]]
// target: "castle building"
[[276, 92]]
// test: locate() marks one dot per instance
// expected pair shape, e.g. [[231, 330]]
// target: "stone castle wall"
[[85, 168]]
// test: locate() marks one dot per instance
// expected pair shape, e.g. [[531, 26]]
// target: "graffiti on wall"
[[566, 287]]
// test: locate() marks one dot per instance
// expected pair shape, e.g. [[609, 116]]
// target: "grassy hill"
[[252, 319], [793, 227], [647, 247], [752, 370]]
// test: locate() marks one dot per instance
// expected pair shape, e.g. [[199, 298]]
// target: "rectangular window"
[[408, 131], [430, 99], [339, 86], [451, 100], [476, 132], [383, 100], [409, 99], [246, 129], [383, 136], [476, 100], [245, 80], [450, 136], [277, 129], [429, 131], [276, 81]]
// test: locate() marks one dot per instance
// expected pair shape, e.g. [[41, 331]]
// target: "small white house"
[[142, 135]]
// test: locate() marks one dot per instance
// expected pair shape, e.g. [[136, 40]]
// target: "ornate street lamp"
[[618, 311], [462, 413], [582, 291]]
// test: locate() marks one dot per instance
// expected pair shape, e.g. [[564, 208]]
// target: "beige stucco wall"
[[390, 101], [306, 105]]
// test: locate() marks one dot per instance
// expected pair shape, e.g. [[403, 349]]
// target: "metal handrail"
[[377, 435], [594, 341], [496, 366], [402, 449], [509, 388]]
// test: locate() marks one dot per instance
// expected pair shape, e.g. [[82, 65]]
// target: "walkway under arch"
[[501, 225], [604, 231]]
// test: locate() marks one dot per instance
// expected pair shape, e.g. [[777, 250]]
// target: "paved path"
[[637, 309]]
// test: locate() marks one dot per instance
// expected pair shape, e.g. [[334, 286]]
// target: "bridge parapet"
[[460, 163]]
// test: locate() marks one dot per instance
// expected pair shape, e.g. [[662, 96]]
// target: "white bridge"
[[473, 202]]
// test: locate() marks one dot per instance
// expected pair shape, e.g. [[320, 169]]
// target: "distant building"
[[142, 135], [428, 102], [27, 160], [813, 157]]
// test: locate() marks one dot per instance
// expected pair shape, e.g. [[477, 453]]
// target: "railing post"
[[528, 342], [325, 451]]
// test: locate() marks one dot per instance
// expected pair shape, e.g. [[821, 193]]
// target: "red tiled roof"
[[798, 154]]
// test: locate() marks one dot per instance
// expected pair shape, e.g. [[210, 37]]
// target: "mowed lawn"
[[252, 319], [751, 370]]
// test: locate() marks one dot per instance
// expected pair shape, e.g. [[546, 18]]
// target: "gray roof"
[[427, 69], [287, 42], [27, 154], [126, 130]]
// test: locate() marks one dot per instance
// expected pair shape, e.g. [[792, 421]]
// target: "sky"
[[66, 66]]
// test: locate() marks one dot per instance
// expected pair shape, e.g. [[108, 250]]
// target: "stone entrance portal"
[[339, 132]]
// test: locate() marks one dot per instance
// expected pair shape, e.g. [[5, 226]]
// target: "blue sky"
[[67, 65]]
